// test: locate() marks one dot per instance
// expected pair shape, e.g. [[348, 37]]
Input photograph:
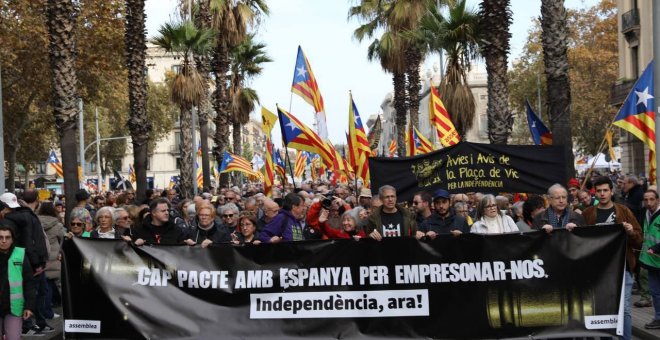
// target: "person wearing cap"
[[391, 219], [557, 215], [573, 188], [364, 200], [29, 232], [443, 221]]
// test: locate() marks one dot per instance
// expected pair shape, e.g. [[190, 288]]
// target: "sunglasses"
[[228, 216], [76, 224]]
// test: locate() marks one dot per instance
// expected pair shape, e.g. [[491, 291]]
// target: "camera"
[[327, 201]]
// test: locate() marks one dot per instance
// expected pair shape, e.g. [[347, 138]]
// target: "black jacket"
[[166, 234], [442, 225], [29, 235], [216, 232]]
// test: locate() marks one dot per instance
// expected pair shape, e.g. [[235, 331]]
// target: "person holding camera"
[[325, 214]]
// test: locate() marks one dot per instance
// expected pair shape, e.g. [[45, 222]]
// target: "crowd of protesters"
[[314, 211]]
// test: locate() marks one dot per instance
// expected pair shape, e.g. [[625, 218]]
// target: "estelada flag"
[[636, 115], [540, 133], [55, 163], [298, 136], [304, 82]]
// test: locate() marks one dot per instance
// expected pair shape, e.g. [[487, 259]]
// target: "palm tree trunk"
[[413, 58], [203, 20], [221, 104], [399, 80], [60, 19], [554, 38], [186, 182], [138, 123], [236, 135], [495, 21]]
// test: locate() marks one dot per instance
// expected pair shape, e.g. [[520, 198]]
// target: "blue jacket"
[[282, 225]]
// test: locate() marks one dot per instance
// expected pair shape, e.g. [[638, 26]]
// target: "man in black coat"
[[157, 227]]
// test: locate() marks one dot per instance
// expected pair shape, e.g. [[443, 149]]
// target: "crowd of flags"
[[315, 152]]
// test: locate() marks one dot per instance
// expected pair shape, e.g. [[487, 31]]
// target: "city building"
[[477, 79], [635, 22]]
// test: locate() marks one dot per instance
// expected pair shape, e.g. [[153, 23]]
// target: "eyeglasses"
[[76, 224], [5, 238], [559, 197], [228, 216], [247, 224]]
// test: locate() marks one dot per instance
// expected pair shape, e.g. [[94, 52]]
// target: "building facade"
[[635, 40]]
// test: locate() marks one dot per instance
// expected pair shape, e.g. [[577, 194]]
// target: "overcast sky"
[[338, 61]]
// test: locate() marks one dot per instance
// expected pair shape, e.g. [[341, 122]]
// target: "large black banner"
[[475, 167], [473, 286]]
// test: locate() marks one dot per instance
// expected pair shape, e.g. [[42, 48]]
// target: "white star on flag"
[[643, 97], [292, 125], [302, 72]]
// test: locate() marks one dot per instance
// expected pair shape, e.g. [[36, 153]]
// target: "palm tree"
[[495, 22], [554, 36], [458, 36], [231, 19], [138, 123], [387, 50], [188, 87], [202, 62], [246, 60], [60, 20], [405, 16]]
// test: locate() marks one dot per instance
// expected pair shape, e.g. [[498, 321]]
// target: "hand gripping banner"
[[473, 286]]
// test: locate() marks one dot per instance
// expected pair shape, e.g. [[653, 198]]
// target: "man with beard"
[[157, 227], [443, 220], [421, 205]]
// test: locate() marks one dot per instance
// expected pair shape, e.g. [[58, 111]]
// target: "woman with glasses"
[[80, 223], [247, 224], [204, 227], [491, 220], [105, 221], [123, 223]]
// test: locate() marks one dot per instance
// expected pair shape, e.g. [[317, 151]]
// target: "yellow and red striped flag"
[[299, 167], [392, 148], [268, 169], [441, 121]]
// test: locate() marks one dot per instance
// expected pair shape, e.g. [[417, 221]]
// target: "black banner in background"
[[472, 286], [469, 167]]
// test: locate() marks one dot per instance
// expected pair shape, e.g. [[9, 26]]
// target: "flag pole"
[[286, 150], [600, 148], [656, 78]]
